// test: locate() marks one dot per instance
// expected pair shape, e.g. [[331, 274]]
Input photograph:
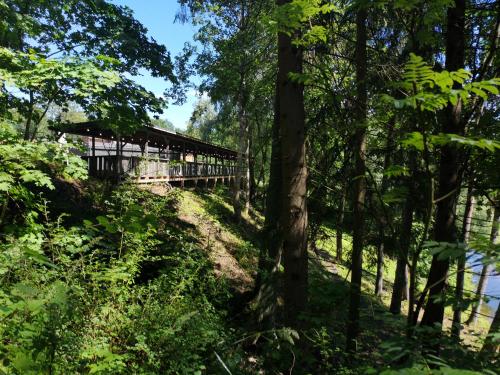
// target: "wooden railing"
[[109, 166]]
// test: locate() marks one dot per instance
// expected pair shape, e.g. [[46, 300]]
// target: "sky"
[[158, 17]]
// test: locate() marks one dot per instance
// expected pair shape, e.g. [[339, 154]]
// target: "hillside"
[[206, 218]]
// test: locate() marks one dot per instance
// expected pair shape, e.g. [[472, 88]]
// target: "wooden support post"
[[183, 167], [205, 165], [167, 156], [146, 156], [93, 160], [118, 157]]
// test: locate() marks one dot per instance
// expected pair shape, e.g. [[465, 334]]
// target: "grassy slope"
[[234, 250], [471, 334]]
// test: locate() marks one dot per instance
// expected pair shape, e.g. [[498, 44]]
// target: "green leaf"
[[414, 139]]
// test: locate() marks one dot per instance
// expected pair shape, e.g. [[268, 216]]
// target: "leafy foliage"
[[429, 90]]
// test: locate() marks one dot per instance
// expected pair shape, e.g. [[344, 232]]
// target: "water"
[[493, 282]]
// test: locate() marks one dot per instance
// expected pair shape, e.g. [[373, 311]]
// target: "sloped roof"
[[157, 137]]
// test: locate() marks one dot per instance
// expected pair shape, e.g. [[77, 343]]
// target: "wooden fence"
[[141, 168]]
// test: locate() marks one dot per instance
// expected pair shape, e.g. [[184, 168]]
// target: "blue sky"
[[158, 17]]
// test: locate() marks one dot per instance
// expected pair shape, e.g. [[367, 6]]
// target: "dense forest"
[[359, 233]]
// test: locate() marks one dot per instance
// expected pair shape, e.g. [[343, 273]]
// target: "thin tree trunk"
[[483, 278], [251, 171], [29, 120], [449, 184], [459, 289], [242, 176], [406, 288], [399, 280], [294, 176], [340, 222], [481, 287], [360, 182], [246, 175], [263, 151], [379, 281], [242, 171], [491, 345]]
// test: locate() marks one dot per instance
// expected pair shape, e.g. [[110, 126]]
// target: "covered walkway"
[[151, 154]]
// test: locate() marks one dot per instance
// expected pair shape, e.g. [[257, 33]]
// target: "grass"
[[234, 248], [471, 335]]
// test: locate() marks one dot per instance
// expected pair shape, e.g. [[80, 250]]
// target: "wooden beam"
[[118, 156]]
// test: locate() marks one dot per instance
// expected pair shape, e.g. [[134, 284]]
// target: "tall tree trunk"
[[406, 289], [340, 222], [251, 171], [267, 286], [379, 281], [459, 289], [294, 173], [491, 345], [449, 184], [483, 278], [404, 245], [29, 120], [241, 180], [360, 181], [481, 287]]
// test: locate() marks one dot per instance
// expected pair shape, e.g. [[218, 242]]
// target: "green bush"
[[78, 298]]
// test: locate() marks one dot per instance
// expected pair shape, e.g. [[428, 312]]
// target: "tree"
[[449, 179], [70, 50], [486, 269], [163, 123], [461, 262], [384, 220], [291, 117], [491, 344], [234, 40], [360, 57], [203, 121]]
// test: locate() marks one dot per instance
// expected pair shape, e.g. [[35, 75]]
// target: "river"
[[493, 282]]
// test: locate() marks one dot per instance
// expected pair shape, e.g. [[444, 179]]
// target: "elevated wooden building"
[[151, 154]]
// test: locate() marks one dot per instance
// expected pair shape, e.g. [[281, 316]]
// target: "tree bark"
[[379, 281], [483, 278], [242, 175], [406, 288], [241, 180], [459, 289], [481, 287], [29, 120], [251, 172], [449, 184], [266, 285], [340, 223], [490, 345], [360, 181], [405, 240], [294, 173]]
